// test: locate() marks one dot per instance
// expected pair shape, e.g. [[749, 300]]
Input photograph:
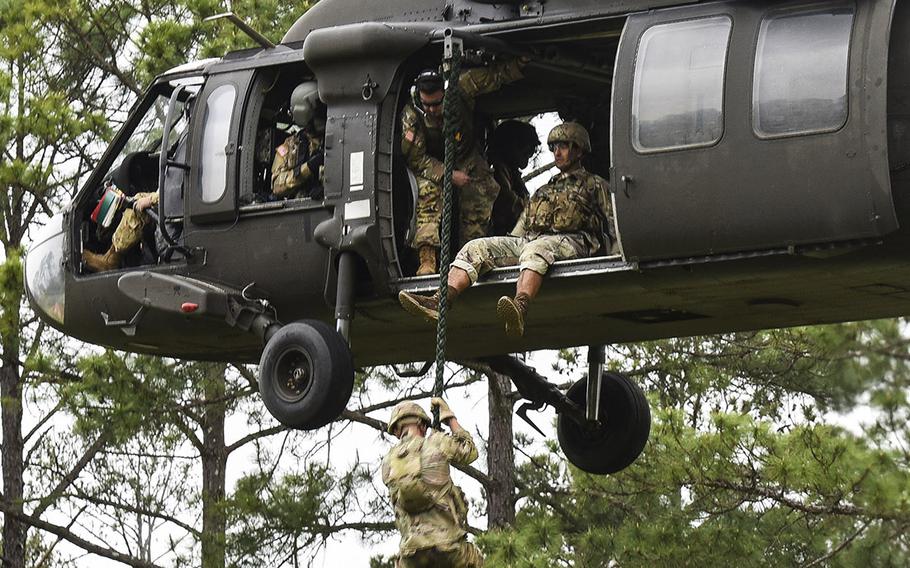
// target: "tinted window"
[[678, 93], [218, 110], [800, 80]]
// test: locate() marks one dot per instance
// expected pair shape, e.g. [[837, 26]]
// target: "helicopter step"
[[306, 372], [602, 427]]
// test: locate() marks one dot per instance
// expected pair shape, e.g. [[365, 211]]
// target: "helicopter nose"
[[45, 280]]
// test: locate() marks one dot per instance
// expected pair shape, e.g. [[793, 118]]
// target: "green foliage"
[[740, 467], [11, 290], [276, 517]]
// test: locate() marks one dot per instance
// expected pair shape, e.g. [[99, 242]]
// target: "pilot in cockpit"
[[137, 175], [127, 234]]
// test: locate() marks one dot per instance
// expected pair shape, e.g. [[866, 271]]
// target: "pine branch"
[[87, 456], [133, 509], [74, 539], [253, 437], [841, 546], [778, 495]]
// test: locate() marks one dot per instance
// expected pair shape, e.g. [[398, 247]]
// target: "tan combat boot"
[[95, 262], [512, 311], [424, 306], [427, 255]]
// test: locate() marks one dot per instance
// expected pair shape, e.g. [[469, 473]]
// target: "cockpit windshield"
[[145, 140]]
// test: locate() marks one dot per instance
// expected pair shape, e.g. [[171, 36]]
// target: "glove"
[[315, 162], [445, 413]]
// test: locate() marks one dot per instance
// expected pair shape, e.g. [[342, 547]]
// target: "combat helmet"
[[571, 132], [404, 410], [304, 101]]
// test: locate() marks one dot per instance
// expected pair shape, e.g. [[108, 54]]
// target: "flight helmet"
[[304, 101], [571, 132], [407, 412]]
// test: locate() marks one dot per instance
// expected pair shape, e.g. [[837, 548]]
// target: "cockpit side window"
[[678, 89], [800, 78]]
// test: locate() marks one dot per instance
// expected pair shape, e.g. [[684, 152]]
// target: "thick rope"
[[450, 129]]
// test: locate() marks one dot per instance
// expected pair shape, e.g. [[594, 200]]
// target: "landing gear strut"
[[306, 373], [602, 425]]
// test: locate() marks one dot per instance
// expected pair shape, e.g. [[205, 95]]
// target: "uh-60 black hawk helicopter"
[[758, 155]]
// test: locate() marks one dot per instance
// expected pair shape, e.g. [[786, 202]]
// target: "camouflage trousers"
[[483, 255], [129, 230], [463, 555], [475, 206]]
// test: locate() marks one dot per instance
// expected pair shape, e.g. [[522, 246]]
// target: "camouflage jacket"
[[421, 135], [575, 201], [445, 524], [291, 175]]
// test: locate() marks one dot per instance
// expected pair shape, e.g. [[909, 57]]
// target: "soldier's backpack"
[[404, 472]]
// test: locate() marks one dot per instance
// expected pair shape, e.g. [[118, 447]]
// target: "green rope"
[[450, 129]]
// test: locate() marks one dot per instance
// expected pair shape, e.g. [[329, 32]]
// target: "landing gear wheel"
[[306, 374], [621, 436]]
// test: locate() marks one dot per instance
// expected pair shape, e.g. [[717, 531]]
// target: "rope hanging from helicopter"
[[452, 70]]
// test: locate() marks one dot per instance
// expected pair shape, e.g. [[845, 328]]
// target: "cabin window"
[[678, 89], [213, 172], [800, 78]]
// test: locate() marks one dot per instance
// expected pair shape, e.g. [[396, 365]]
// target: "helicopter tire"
[[621, 437], [306, 375]]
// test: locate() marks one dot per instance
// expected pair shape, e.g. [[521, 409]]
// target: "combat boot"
[[424, 306], [427, 255], [512, 311], [95, 262]]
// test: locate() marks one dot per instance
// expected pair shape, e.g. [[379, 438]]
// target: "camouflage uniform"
[[423, 146], [291, 175], [436, 537], [563, 220], [129, 230]]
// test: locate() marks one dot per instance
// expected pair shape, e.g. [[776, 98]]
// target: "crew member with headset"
[[423, 146], [297, 169]]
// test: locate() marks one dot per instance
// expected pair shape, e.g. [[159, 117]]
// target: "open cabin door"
[[747, 126]]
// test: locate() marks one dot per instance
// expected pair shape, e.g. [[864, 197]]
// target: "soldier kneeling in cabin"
[[567, 218], [430, 511]]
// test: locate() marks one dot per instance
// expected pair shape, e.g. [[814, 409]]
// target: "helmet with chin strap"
[[407, 412], [571, 132]]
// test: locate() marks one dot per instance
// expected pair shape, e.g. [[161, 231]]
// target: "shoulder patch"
[[409, 135], [282, 150]]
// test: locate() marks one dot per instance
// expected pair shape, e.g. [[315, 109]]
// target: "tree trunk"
[[14, 530], [500, 455], [214, 462]]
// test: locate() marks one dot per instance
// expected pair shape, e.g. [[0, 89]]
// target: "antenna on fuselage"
[[244, 27]]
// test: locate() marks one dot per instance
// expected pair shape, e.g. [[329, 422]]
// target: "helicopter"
[[759, 163]]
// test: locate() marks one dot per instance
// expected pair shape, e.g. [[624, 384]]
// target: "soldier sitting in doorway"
[[511, 146], [297, 169], [423, 146], [430, 511], [567, 218]]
